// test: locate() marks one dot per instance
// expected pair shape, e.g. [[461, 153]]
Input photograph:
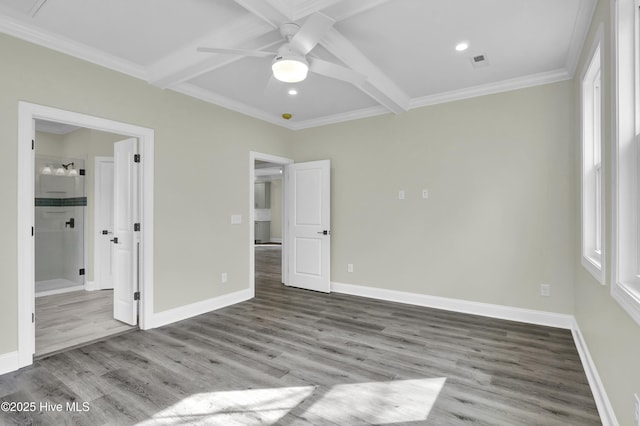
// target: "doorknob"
[[115, 240], [325, 232]]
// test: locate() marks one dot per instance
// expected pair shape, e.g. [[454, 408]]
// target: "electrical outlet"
[[636, 408], [545, 290], [401, 194], [350, 267], [224, 277]]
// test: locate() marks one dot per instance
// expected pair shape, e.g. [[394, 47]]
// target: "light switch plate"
[[236, 219], [425, 193], [401, 194]]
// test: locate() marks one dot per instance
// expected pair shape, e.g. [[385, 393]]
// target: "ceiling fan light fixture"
[[290, 69]]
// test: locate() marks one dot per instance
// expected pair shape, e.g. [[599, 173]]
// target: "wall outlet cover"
[[350, 267], [236, 219], [401, 194], [224, 277], [545, 290]]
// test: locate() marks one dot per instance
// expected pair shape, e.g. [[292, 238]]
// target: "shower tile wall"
[[59, 249]]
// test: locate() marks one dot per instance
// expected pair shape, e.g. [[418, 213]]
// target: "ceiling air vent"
[[479, 61]]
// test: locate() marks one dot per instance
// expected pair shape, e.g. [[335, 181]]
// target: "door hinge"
[[136, 158], [33, 144], [81, 271], [136, 295], [136, 227], [33, 231], [33, 317]]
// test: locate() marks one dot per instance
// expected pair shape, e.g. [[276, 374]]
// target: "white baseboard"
[[9, 362], [183, 312], [91, 286], [530, 316], [605, 410]]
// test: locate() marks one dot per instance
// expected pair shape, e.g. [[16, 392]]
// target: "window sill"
[[594, 267], [628, 296]]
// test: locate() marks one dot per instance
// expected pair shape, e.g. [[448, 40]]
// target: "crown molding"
[[339, 118], [225, 102], [586, 9], [69, 47], [491, 88]]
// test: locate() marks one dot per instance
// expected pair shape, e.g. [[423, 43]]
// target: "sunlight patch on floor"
[[369, 403], [245, 407], [377, 402]]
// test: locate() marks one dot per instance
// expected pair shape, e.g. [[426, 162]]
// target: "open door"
[[309, 231], [125, 242]]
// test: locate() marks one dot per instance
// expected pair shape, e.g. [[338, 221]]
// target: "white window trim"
[[592, 234], [625, 288]]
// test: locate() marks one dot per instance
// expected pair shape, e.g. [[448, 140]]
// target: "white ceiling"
[[404, 48]]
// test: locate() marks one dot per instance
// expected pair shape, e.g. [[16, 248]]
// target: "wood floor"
[[294, 357], [70, 319]]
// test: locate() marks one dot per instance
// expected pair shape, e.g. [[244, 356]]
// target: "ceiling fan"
[[290, 63]]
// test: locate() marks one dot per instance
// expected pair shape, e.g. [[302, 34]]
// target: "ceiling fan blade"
[[311, 32], [329, 69], [242, 52]]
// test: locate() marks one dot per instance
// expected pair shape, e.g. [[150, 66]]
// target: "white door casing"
[[103, 193], [27, 113], [125, 243], [309, 225]]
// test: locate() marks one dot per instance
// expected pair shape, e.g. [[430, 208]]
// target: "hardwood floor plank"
[[73, 319], [294, 357]]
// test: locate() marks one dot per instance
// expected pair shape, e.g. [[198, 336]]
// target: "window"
[[626, 161], [592, 217]]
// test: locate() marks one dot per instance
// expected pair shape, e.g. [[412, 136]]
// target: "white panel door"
[[309, 251], [104, 180], [125, 244]]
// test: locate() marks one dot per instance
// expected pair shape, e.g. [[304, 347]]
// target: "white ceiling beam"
[[187, 62], [304, 9], [378, 85], [348, 8], [265, 11]]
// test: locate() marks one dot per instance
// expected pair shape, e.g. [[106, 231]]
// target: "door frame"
[[27, 113], [283, 161]]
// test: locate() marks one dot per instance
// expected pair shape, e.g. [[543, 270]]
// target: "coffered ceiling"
[[403, 49]]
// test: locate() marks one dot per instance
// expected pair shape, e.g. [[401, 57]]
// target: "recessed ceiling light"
[[462, 46], [293, 92]]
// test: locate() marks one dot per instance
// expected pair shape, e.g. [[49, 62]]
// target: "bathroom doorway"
[[135, 262], [72, 306]]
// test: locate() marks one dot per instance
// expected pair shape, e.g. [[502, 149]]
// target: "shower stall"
[[60, 210]]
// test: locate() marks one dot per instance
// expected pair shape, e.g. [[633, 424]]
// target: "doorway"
[[74, 305], [28, 114], [267, 206]]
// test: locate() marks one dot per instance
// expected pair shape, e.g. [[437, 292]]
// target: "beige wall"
[[499, 218], [276, 209], [197, 145], [612, 336]]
